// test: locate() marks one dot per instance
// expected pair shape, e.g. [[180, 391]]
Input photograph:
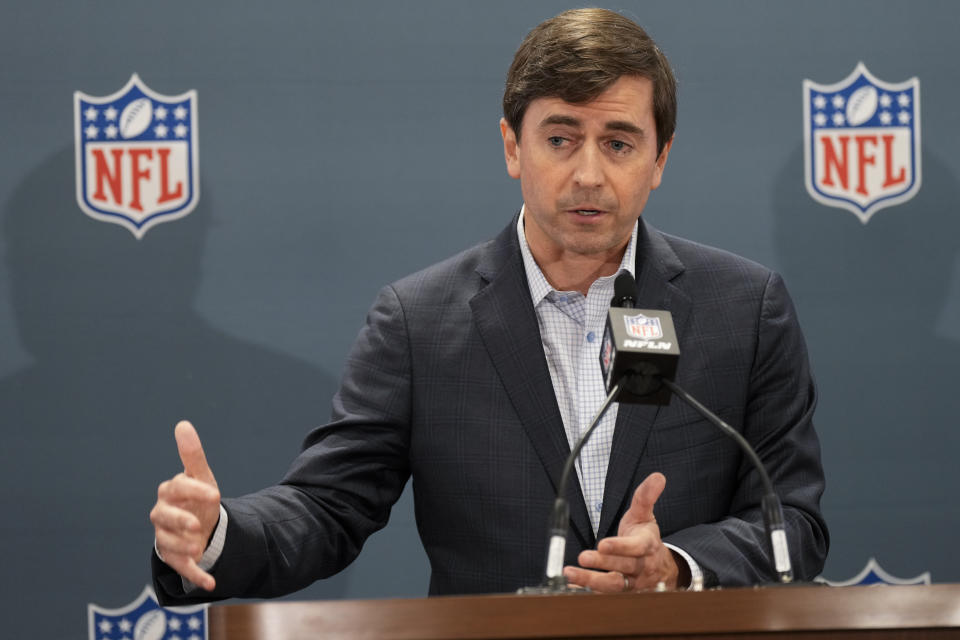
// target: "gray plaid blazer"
[[448, 384]]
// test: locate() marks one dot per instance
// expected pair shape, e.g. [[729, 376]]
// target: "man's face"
[[586, 170]]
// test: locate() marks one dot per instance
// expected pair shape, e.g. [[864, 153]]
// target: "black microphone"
[[639, 347], [640, 354], [625, 292]]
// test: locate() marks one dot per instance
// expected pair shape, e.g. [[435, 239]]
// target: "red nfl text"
[[863, 164], [137, 178]]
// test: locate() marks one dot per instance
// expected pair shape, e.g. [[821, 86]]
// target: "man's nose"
[[589, 169]]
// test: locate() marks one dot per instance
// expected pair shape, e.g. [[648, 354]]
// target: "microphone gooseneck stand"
[[769, 504], [555, 582]]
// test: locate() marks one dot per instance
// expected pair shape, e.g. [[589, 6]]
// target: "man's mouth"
[[587, 212]]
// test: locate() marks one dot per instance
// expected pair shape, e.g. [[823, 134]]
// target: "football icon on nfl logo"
[[640, 326], [861, 141], [136, 156]]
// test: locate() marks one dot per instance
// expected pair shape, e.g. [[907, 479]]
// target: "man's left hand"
[[636, 559]]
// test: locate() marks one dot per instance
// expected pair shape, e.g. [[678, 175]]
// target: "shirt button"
[[598, 507], [591, 336]]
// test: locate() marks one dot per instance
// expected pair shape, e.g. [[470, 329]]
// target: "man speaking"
[[476, 376]]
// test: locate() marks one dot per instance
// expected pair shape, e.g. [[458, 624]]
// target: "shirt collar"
[[539, 287]]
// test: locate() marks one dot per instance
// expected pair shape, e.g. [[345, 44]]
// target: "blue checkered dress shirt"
[[571, 327]]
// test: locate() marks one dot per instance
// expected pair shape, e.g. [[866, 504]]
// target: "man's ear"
[[661, 164], [510, 149]]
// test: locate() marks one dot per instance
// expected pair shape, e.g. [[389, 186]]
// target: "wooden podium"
[[782, 612]]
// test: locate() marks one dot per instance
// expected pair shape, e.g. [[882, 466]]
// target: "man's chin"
[[596, 247]]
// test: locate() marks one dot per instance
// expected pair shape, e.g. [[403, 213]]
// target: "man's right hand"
[[187, 510]]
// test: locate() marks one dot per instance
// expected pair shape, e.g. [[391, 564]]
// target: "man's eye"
[[555, 141], [618, 145]]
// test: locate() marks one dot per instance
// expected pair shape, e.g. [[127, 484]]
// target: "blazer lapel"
[[657, 266], [507, 324]]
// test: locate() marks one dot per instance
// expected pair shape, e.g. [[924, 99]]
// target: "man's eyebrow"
[[623, 125], [569, 121]]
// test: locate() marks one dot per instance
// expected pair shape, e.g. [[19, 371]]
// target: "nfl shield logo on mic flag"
[[861, 141], [136, 156], [640, 326]]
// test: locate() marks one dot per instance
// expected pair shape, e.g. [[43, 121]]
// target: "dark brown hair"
[[578, 55]]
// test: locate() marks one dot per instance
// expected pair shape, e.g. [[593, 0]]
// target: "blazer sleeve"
[[778, 423], [337, 492]]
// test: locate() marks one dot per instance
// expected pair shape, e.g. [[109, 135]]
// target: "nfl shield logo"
[[136, 156], [640, 326], [606, 352], [861, 141], [874, 574], [145, 619]]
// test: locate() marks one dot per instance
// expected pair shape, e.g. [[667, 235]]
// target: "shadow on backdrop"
[[119, 356], [869, 297]]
